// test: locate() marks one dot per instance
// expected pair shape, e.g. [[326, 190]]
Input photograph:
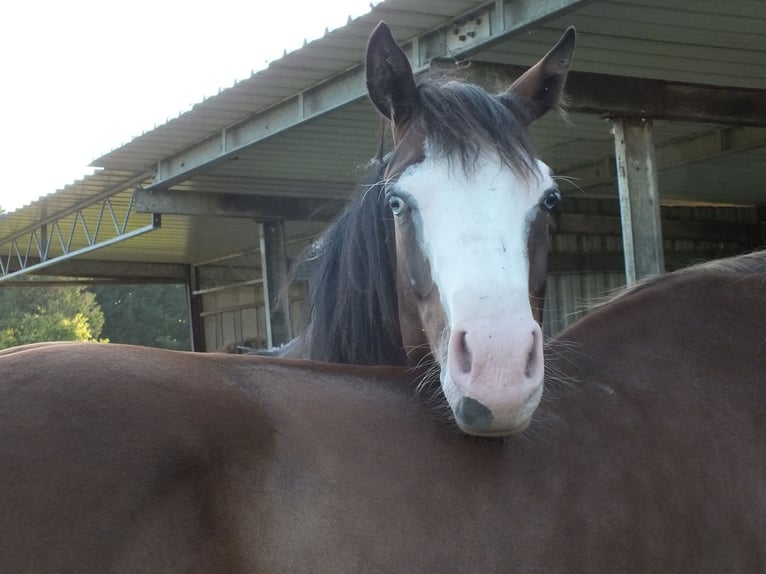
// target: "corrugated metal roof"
[[705, 42], [336, 52]]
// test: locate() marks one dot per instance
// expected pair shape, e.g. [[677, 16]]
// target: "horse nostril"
[[463, 352], [532, 356]]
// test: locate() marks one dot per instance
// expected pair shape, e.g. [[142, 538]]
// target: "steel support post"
[[194, 305], [275, 294]]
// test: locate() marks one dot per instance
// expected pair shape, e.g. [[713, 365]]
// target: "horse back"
[[128, 459], [109, 464]]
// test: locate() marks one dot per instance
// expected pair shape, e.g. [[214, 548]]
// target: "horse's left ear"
[[541, 88], [390, 82]]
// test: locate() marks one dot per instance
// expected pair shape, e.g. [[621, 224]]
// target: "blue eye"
[[551, 199], [397, 204]]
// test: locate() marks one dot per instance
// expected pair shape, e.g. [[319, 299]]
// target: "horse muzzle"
[[493, 379]]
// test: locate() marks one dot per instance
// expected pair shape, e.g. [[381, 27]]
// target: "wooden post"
[[639, 198], [274, 265], [194, 305]]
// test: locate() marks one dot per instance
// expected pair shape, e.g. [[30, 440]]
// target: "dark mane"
[[354, 285], [462, 119]]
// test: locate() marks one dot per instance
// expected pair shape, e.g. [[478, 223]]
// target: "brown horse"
[[645, 455], [442, 255]]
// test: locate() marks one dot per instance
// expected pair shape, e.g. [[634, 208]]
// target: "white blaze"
[[474, 228], [474, 232]]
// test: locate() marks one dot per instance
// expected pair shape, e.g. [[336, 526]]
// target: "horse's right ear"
[[541, 88], [390, 82]]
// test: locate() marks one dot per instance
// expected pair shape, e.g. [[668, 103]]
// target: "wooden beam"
[[623, 96], [235, 205], [639, 199]]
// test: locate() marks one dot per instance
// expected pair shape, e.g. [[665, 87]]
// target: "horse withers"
[[442, 255], [645, 455]]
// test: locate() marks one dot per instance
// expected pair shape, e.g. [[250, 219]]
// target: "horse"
[[646, 454], [442, 255]]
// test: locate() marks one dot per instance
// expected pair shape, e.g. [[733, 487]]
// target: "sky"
[[82, 77]]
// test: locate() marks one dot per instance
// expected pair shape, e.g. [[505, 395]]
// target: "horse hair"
[[461, 119], [354, 283]]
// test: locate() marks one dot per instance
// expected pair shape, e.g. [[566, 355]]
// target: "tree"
[[43, 313], [150, 315]]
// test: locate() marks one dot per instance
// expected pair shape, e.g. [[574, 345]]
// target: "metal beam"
[[623, 96], [227, 286], [77, 231], [235, 205], [485, 26], [507, 17], [639, 199], [115, 271], [82, 228], [229, 142], [18, 263]]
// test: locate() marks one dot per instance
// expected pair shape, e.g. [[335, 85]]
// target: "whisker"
[[570, 180]]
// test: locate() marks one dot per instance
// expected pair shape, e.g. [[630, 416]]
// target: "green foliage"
[[37, 314], [150, 315]]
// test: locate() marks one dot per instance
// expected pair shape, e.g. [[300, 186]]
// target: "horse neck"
[[353, 306]]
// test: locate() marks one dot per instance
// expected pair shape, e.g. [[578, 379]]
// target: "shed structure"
[[662, 156]]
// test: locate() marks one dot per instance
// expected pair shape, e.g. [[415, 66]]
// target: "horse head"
[[470, 204]]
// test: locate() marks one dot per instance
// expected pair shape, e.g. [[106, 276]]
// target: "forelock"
[[460, 120]]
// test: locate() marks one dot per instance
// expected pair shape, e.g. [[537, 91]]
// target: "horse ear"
[[541, 88], [390, 82]]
